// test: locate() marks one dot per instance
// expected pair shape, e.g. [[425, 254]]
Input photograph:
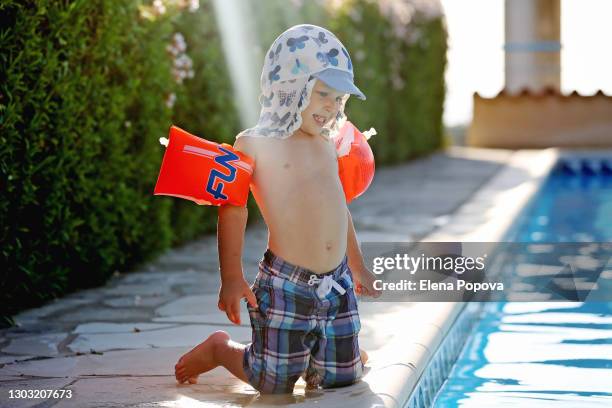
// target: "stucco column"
[[533, 44]]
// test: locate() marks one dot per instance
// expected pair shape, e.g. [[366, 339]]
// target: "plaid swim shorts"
[[305, 325]]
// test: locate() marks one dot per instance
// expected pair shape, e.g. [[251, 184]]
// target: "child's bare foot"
[[364, 356], [200, 359]]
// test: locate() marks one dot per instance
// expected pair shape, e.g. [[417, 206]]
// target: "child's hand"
[[364, 282], [230, 295]]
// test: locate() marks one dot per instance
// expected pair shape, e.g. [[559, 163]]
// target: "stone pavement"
[[117, 345]]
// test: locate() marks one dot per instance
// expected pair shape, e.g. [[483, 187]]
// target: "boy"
[[302, 305]]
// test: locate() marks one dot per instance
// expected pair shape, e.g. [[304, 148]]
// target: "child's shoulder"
[[247, 144], [242, 142], [250, 144]]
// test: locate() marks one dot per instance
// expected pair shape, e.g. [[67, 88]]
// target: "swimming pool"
[[532, 354]]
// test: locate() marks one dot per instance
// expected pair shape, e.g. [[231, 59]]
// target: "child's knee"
[[268, 382], [278, 385], [268, 375], [342, 377]]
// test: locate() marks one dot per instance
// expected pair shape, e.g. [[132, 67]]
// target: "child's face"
[[325, 102]]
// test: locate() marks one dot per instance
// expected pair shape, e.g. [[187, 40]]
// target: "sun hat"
[[295, 60]]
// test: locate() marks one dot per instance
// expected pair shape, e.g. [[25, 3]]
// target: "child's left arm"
[[364, 279]]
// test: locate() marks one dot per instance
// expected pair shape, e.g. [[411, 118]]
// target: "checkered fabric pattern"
[[298, 333]]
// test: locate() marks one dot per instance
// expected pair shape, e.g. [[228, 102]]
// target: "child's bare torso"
[[298, 191]]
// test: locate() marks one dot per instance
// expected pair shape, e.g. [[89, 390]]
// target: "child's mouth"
[[319, 119]]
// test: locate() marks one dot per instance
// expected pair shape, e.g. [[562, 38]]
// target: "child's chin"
[[315, 129], [315, 125]]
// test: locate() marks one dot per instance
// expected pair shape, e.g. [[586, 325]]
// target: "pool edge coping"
[[528, 169]]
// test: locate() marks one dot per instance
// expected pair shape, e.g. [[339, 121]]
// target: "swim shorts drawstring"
[[325, 285]]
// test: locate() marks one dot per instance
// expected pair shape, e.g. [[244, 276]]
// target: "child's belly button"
[[329, 245]]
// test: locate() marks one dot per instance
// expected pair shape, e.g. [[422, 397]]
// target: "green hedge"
[[83, 102], [86, 90]]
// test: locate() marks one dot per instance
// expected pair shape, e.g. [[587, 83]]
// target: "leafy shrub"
[[84, 98]]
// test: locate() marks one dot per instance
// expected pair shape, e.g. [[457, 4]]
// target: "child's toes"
[[193, 380]]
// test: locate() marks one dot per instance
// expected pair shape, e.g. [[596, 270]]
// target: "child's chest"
[[296, 162], [309, 157]]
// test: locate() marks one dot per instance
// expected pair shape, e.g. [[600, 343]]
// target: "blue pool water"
[[545, 354]]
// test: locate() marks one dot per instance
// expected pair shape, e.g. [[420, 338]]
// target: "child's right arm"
[[230, 238]]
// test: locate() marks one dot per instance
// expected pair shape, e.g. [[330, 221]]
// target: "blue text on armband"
[[215, 174]]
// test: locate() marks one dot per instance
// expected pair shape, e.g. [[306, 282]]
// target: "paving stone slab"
[[138, 301], [192, 278], [39, 345], [7, 359], [94, 327], [4, 378], [188, 290], [157, 289], [177, 267], [111, 314], [216, 317], [51, 308], [142, 362], [190, 305], [185, 335], [144, 277]]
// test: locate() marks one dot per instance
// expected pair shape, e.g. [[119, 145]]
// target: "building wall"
[[540, 120]]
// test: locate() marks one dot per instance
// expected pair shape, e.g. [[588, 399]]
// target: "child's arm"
[[355, 258], [364, 279], [230, 238]]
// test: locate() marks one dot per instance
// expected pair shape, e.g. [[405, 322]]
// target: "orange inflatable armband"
[[202, 171], [355, 161]]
